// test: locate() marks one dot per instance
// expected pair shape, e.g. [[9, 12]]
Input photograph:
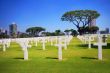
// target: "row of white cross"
[[90, 37], [60, 41], [5, 43]]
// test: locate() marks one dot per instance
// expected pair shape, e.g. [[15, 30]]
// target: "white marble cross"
[[90, 38], [86, 38], [59, 49], [59, 52], [25, 50], [43, 43], [6, 42], [24, 43], [36, 41], [104, 38], [4, 45], [82, 38], [4, 48], [51, 40], [67, 40], [100, 44], [56, 39], [64, 42], [89, 45]]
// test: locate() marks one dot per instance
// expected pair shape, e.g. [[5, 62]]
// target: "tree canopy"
[[34, 31], [80, 18]]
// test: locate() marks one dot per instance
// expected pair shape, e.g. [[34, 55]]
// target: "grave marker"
[[4, 45], [51, 40], [43, 43], [25, 53], [59, 49], [89, 41], [100, 44]]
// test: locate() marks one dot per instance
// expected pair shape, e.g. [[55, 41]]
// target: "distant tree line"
[[4, 35], [40, 31]]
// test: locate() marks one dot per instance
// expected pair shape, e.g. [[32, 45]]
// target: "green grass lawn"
[[76, 59]]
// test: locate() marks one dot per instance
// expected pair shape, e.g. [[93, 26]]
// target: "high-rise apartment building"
[[13, 30]]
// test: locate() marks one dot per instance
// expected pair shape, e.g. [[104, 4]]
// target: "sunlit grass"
[[76, 59]]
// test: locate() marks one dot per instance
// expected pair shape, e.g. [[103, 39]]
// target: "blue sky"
[[47, 13]]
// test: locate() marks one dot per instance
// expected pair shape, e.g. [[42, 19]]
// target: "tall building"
[[13, 30], [92, 23], [107, 30]]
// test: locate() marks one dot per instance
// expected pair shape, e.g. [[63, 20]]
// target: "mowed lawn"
[[76, 59]]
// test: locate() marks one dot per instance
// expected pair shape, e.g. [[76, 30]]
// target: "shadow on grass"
[[83, 46], [19, 58], [88, 58], [51, 58], [92, 46], [104, 47]]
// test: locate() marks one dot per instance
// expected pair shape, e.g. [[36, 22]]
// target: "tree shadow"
[[83, 45], [88, 58], [93, 46], [51, 58], [104, 47], [19, 58], [107, 47]]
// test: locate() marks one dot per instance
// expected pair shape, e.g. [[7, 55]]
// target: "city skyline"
[[47, 13]]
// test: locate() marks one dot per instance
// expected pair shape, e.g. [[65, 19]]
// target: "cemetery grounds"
[[76, 59]]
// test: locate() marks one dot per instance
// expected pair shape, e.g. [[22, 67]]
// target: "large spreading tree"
[[34, 31], [80, 18]]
